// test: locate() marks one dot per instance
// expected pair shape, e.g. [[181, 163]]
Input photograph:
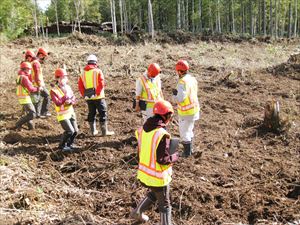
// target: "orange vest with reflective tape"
[[190, 105], [90, 80], [151, 91], [150, 172], [64, 111], [22, 92]]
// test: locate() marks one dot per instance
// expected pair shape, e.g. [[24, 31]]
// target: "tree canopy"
[[278, 18]]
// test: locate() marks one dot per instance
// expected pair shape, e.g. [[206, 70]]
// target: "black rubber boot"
[[93, 128], [70, 142], [138, 214], [65, 137], [187, 149], [166, 218], [104, 129]]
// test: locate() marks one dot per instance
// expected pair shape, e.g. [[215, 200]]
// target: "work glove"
[[69, 101], [174, 91]]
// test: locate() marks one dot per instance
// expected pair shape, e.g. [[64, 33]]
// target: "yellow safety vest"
[[190, 105], [90, 80], [22, 92], [41, 77], [150, 172], [151, 91], [64, 111]]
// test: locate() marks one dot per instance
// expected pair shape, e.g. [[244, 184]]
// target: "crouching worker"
[[63, 98], [155, 163], [24, 88]]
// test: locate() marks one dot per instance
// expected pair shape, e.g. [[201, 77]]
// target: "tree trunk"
[[113, 16], [150, 19], [251, 18], [243, 18], [210, 17], [193, 20], [264, 18], [259, 18], [56, 17], [284, 20], [296, 18], [35, 19], [290, 21], [77, 9], [178, 17], [218, 18], [276, 21], [200, 15], [121, 16], [126, 24], [232, 17], [271, 19], [42, 27], [187, 25]]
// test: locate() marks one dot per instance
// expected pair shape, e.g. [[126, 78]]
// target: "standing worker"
[[91, 87], [148, 91], [155, 168], [63, 98], [24, 88], [186, 97], [42, 105]]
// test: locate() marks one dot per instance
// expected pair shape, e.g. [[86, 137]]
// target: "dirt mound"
[[290, 69]]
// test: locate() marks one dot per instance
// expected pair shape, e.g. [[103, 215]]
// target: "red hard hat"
[[60, 73], [42, 51], [29, 53], [182, 65], [162, 107], [153, 70], [25, 65]]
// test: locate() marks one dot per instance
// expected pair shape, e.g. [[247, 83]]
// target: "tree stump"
[[271, 119]]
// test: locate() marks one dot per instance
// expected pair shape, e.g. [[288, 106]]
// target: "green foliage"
[[245, 16], [15, 16]]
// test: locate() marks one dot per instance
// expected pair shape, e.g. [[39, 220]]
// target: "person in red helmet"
[[91, 87], [24, 88], [64, 98], [155, 163], [148, 91], [188, 108], [41, 100]]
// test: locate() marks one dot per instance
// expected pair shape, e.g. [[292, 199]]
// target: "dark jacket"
[[162, 152]]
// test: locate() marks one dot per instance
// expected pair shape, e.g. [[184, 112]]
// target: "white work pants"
[[186, 126]]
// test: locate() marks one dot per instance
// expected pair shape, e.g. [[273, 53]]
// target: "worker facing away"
[[186, 97], [148, 91], [155, 163], [24, 89], [91, 87], [64, 98], [40, 99]]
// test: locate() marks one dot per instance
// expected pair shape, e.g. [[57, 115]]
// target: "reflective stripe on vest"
[[190, 105], [63, 111], [90, 80], [22, 93], [33, 74], [150, 172], [151, 91]]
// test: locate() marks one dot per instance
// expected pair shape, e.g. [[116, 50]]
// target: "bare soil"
[[239, 172]]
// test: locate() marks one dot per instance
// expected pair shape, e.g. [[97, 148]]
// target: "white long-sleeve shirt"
[[139, 85], [181, 95]]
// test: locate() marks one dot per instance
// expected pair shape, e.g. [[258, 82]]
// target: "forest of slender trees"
[[276, 18]]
